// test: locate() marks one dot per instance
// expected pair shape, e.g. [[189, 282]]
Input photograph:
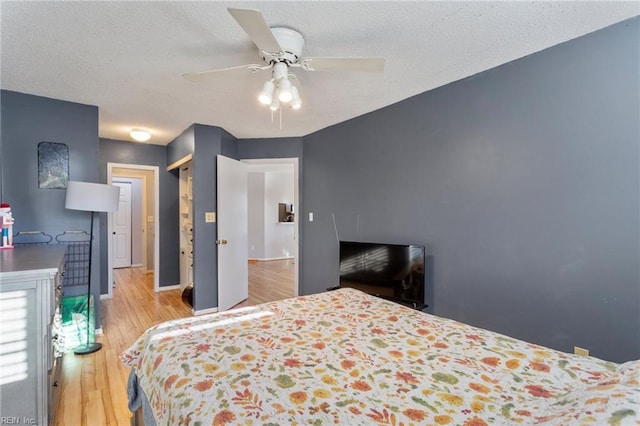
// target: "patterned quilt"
[[344, 357]]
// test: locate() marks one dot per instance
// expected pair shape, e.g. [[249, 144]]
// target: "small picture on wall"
[[53, 165]]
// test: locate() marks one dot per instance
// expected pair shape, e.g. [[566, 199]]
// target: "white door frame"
[[296, 203], [156, 225]]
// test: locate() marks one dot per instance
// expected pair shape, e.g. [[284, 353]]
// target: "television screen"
[[390, 270]]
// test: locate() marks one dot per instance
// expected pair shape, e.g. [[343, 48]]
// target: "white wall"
[[255, 193], [278, 237], [269, 239]]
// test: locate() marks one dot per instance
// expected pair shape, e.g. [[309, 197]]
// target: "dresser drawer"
[[55, 385]]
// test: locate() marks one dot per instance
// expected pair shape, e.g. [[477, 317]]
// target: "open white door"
[[122, 228], [233, 271]]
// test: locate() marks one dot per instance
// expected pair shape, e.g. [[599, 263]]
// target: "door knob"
[[221, 242]]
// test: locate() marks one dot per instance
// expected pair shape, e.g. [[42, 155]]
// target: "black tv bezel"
[[417, 304]]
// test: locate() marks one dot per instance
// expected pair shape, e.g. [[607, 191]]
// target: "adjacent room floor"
[[94, 386]]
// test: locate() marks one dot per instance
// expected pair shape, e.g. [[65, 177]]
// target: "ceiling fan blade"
[[253, 23], [203, 75], [343, 64]]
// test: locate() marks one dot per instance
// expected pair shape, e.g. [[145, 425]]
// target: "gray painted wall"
[[28, 120], [205, 273], [113, 151], [523, 183], [181, 146], [271, 148]]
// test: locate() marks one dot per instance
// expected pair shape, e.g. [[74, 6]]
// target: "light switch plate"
[[310, 216], [210, 217], [580, 351]]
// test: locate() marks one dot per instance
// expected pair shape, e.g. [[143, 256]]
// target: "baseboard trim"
[[269, 259], [137, 265], [169, 287], [99, 330], [105, 296], [205, 311]]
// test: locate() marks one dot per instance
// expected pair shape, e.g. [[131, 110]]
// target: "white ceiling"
[[127, 58]]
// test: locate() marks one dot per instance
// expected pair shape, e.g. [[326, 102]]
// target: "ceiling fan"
[[281, 49]]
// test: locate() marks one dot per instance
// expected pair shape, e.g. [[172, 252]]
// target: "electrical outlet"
[[210, 217], [580, 351]]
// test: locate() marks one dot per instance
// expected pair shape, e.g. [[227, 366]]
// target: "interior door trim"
[[156, 225]]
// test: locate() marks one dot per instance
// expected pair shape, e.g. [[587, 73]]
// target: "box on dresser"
[[30, 295]]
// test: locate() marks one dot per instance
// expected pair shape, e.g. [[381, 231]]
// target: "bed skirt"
[[138, 403]]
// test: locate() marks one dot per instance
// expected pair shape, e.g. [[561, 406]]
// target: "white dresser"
[[30, 296]]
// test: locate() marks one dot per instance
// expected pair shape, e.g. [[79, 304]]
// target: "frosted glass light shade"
[[267, 93], [296, 103], [140, 135], [285, 94], [92, 197]]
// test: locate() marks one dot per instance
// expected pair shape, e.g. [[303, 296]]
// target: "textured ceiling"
[[127, 58]]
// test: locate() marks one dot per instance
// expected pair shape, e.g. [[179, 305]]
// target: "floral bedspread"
[[344, 357]]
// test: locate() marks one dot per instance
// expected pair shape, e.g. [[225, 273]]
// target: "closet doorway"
[[147, 243]]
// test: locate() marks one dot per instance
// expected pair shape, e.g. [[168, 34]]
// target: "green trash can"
[[74, 321]]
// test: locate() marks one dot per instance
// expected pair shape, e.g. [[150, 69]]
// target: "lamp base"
[[87, 349]]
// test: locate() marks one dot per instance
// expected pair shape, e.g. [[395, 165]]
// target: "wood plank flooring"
[[94, 386]]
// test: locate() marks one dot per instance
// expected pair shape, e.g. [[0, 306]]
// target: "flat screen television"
[[392, 271]]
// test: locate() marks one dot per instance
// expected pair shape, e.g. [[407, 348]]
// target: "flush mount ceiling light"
[[140, 135]]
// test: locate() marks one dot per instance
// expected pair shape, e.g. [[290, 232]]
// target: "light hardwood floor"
[[94, 386]]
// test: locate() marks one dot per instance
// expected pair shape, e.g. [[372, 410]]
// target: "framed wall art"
[[53, 165]]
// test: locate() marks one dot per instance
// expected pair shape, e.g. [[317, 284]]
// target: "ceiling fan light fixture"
[[266, 94], [285, 94], [140, 135], [281, 50]]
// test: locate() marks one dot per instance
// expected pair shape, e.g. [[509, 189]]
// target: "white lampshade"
[[92, 197], [267, 93], [296, 103], [285, 94]]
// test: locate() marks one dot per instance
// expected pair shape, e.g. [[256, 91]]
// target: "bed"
[[345, 357]]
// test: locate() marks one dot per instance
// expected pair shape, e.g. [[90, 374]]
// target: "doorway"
[[275, 241], [149, 221]]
